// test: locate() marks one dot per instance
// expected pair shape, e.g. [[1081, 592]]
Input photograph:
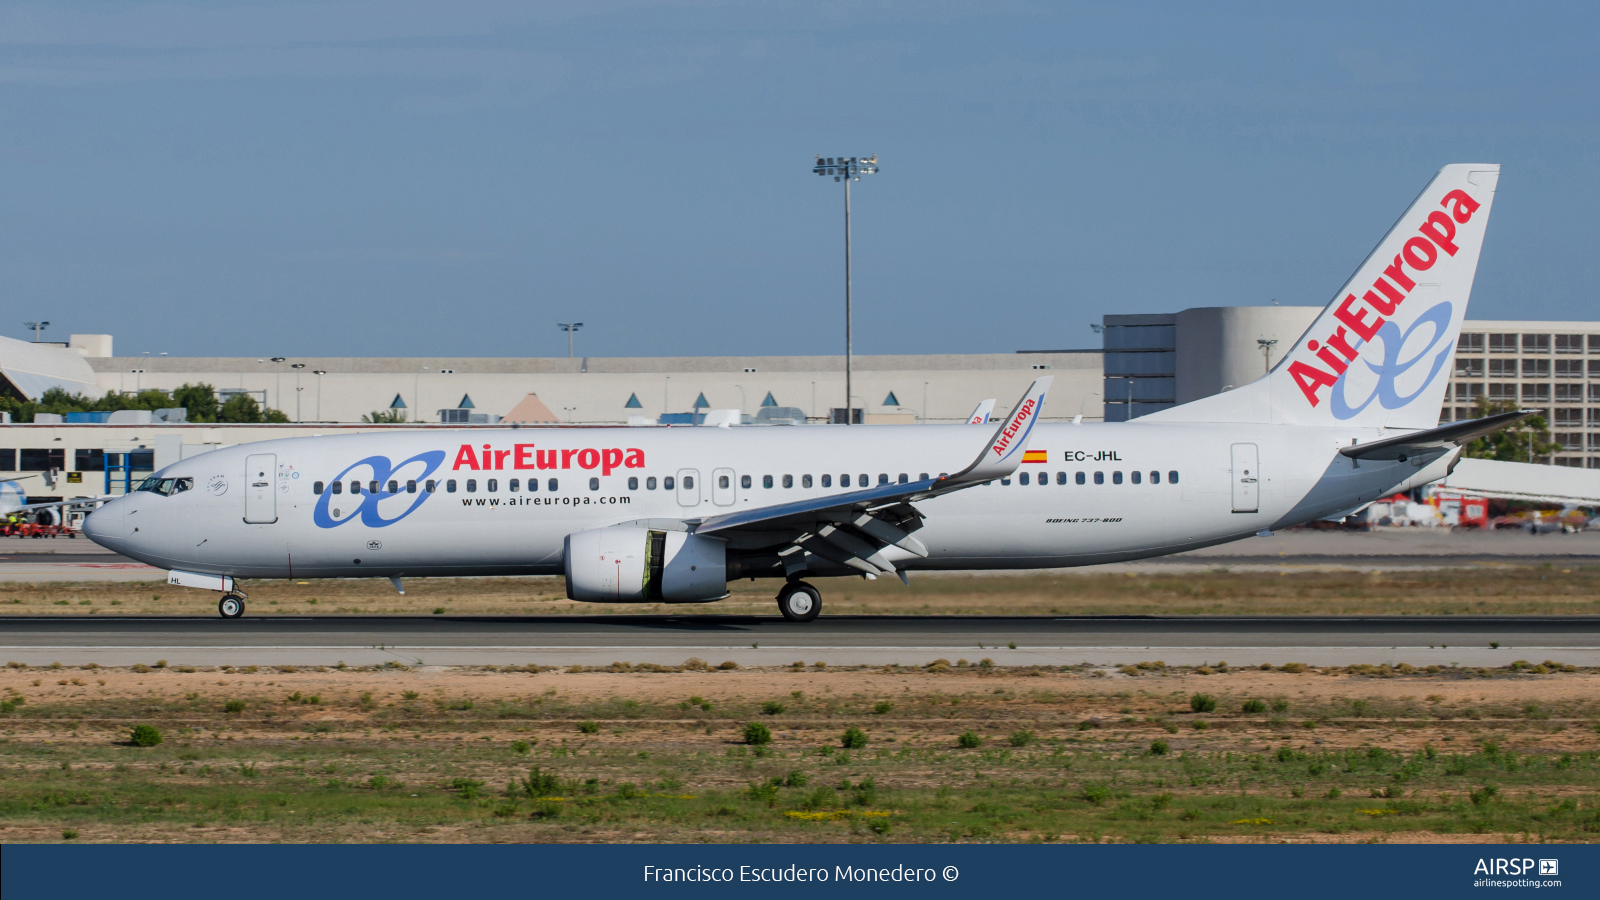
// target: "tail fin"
[[1380, 353], [980, 413]]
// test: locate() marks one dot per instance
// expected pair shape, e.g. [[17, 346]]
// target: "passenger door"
[[1246, 478], [688, 487], [260, 488], [723, 492]]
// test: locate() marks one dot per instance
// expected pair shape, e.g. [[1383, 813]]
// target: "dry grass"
[[1497, 589]]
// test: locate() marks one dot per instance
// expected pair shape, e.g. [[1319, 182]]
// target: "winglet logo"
[[382, 470], [1014, 429], [1342, 348]]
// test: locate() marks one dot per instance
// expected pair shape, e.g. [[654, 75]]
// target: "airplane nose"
[[97, 526]]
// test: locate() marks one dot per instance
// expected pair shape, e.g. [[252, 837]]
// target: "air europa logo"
[[367, 505], [1024, 414], [527, 456], [1341, 348]]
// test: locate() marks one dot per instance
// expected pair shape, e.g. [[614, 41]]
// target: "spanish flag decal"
[[1038, 456]]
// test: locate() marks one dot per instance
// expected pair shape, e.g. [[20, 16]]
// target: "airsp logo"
[[1549, 867], [217, 486]]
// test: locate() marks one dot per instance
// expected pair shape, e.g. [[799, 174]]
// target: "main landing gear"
[[231, 605], [799, 602]]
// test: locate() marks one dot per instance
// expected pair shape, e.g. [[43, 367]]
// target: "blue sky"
[[399, 178]]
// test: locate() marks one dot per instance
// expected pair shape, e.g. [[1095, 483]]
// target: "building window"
[[805, 481], [1502, 343], [1569, 343], [8, 460], [1569, 368], [1502, 368], [1099, 478], [47, 459], [667, 483], [766, 481], [744, 481], [788, 481], [594, 484], [1469, 368], [1536, 392], [633, 483], [1536, 343], [827, 481], [1569, 393], [1536, 368], [1470, 343]]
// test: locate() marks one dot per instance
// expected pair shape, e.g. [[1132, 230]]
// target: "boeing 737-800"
[[672, 514]]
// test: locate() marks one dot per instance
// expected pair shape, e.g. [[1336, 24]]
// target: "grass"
[[1501, 590], [393, 754]]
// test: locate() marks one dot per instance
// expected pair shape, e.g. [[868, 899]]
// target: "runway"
[[764, 641]]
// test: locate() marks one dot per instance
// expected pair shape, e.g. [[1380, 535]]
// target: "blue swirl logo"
[[1392, 366], [368, 510]]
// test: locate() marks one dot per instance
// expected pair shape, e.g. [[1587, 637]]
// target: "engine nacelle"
[[630, 564]]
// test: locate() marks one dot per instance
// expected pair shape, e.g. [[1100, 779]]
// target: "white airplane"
[[14, 500], [981, 412], [673, 514]]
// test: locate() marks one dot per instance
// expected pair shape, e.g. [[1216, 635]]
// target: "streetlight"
[[569, 328], [416, 391], [846, 169], [296, 367], [277, 392], [319, 373], [38, 329], [1266, 349]]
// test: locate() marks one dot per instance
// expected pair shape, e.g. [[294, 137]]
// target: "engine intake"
[[629, 564]]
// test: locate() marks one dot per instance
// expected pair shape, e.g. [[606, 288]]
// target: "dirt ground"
[[1055, 754]]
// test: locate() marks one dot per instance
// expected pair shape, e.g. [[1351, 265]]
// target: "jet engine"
[[630, 564]]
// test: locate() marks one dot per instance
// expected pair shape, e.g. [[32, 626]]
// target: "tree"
[[199, 399], [1526, 441], [385, 417]]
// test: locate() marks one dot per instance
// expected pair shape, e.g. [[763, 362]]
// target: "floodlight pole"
[[1266, 349], [847, 169], [297, 367], [319, 373], [569, 328]]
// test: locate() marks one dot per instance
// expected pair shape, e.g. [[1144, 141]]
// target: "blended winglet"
[[1003, 453]]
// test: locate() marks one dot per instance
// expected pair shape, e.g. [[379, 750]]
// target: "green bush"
[[549, 809], [1097, 794], [757, 734], [882, 707], [468, 788], [1280, 705], [796, 778], [68, 834], [520, 747], [540, 783], [1483, 795], [772, 708], [1202, 703], [589, 727], [145, 736], [1022, 738], [1254, 706], [969, 740], [234, 706], [853, 739], [1159, 748]]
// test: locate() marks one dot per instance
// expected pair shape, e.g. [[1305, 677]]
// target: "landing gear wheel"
[[799, 602], [231, 606]]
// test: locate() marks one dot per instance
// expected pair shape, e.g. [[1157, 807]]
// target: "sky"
[[396, 178]]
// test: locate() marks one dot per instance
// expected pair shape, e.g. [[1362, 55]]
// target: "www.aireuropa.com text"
[[793, 873]]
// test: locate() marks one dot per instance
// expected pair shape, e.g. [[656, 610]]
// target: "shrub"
[[853, 739], [1280, 705], [549, 809], [1159, 748], [1254, 706], [1483, 795], [772, 708], [1097, 794], [68, 834], [1203, 703], [969, 740], [628, 791], [234, 706], [728, 665], [438, 610], [1021, 738], [882, 707], [757, 734], [762, 793], [468, 788], [410, 695], [145, 736], [795, 778], [589, 727], [539, 783], [520, 747], [1333, 794]]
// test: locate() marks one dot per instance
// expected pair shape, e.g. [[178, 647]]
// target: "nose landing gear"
[[799, 602], [231, 606]]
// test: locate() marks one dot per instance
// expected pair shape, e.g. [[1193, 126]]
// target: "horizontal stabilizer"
[[1444, 437]]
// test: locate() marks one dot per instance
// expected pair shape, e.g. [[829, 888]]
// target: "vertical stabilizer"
[[1380, 353]]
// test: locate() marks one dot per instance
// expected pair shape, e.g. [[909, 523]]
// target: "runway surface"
[[763, 641]]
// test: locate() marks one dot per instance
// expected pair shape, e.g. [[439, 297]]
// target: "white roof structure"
[[33, 369]]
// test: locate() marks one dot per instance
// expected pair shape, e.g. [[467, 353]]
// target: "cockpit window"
[[166, 486]]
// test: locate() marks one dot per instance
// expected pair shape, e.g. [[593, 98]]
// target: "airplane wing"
[[981, 413], [1445, 437], [853, 529]]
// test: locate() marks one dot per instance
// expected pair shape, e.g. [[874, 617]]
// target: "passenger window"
[[450, 486], [1005, 481], [766, 481], [805, 481], [650, 483], [668, 483], [827, 481], [688, 482], [1155, 477], [1116, 477], [533, 484], [394, 487], [1172, 477], [594, 484], [844, 481], [552, 484], [883, 477], [1099, 478], [1136, 477], [411, 486], [723, 481], [903, 479], [338, 487], [493, 485], [316, 488], [922, 476], [372, 487], [1061, 478], [472, 485], [744, 481], [633, 483], [1080, 478], [431, 486], [788, 481], [1022, 478], [1044, 478], [514, 485], [355, 487], [863, 481]]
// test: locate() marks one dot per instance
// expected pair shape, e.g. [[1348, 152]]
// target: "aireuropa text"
[[793, 873]]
